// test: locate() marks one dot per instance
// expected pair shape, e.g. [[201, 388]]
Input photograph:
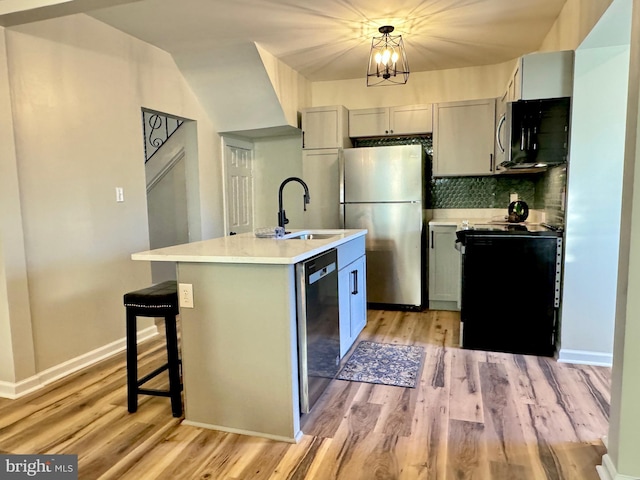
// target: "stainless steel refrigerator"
[[382, 191]]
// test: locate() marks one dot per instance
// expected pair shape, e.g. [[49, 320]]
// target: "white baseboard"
[[585, 357], [607, 471], [295, 439], [18, 389]]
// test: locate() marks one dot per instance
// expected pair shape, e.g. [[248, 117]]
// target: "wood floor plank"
[[423, 455], [398, 407], [473, 415], [466, 453], [590, 410], [352, 443], [332, 406], [553, 437], [119, 463], [297, 462], [442, 328], [568, 398], [465, 396], [506, 446], [167, 453]]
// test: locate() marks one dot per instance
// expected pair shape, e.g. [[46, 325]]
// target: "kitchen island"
[[239, 341]]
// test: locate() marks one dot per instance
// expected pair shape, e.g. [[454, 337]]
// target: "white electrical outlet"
[[119, 194], [513, 197], [185, 295]]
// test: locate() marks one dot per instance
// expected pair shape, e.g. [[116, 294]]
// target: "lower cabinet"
[[352, 296], [444, 268]]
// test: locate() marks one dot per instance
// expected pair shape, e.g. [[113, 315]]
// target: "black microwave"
[[537, 133]]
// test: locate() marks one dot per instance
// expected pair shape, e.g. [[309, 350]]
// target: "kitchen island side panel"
[[239, 349]]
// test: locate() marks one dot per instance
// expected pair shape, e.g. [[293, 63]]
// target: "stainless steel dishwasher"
[[318, 325]]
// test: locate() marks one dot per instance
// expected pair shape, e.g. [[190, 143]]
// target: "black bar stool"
[[159, 300]]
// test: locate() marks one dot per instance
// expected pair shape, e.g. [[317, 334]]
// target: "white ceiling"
[[330, 39]]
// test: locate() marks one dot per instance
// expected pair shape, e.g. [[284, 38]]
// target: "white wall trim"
[[19, 389], [280, 438], [585, 357], [165, 170], [607, 471]]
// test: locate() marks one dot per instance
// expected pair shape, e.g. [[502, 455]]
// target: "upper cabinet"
[[541, 75], [379, 122], [463, 138], [325, 127]]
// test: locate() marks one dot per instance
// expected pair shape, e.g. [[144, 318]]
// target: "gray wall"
[[77, 137]]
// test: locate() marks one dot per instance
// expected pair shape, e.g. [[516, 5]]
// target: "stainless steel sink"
[[312, 236]]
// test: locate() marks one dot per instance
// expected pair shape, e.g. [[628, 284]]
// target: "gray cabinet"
[[383, 121], [444, 268], [325, 127], [463, 138], [541, 75], [352, 292], [321, 172], [352, 301]]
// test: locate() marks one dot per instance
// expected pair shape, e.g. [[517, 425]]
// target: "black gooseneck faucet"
[[282, 217]]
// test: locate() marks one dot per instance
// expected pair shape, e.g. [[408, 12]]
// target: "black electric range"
[[535, 229], [511, 276]]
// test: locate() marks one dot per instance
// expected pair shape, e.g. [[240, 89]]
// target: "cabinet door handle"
[[303, 139], [432, 242], [491, 162], [354, 273]]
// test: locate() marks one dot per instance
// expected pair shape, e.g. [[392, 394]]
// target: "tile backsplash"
[[480, 192], [552, 187], [542, 191]]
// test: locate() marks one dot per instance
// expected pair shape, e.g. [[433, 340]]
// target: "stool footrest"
[[153, 391], [153, 374], [157, 393]]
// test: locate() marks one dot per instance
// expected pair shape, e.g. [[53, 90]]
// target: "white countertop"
[[247, 248], [448, 222]]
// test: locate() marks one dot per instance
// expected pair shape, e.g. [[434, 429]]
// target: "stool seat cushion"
[[160, 296]]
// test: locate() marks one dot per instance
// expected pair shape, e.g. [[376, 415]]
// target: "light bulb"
[[394, 57], [378, 57], [385, 56]]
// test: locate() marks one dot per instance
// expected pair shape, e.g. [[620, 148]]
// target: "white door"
[[238, 161]]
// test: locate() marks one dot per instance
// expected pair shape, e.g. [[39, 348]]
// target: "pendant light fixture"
[[388, 60]]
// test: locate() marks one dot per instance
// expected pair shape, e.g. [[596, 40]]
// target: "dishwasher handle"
[[320, 274]]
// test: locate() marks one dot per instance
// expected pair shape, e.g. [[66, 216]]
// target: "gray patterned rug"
[[384, 363]]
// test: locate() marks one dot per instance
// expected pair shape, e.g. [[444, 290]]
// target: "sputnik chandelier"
[[387, 60]]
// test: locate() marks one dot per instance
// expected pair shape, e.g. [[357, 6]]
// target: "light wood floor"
[[475, 415]]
